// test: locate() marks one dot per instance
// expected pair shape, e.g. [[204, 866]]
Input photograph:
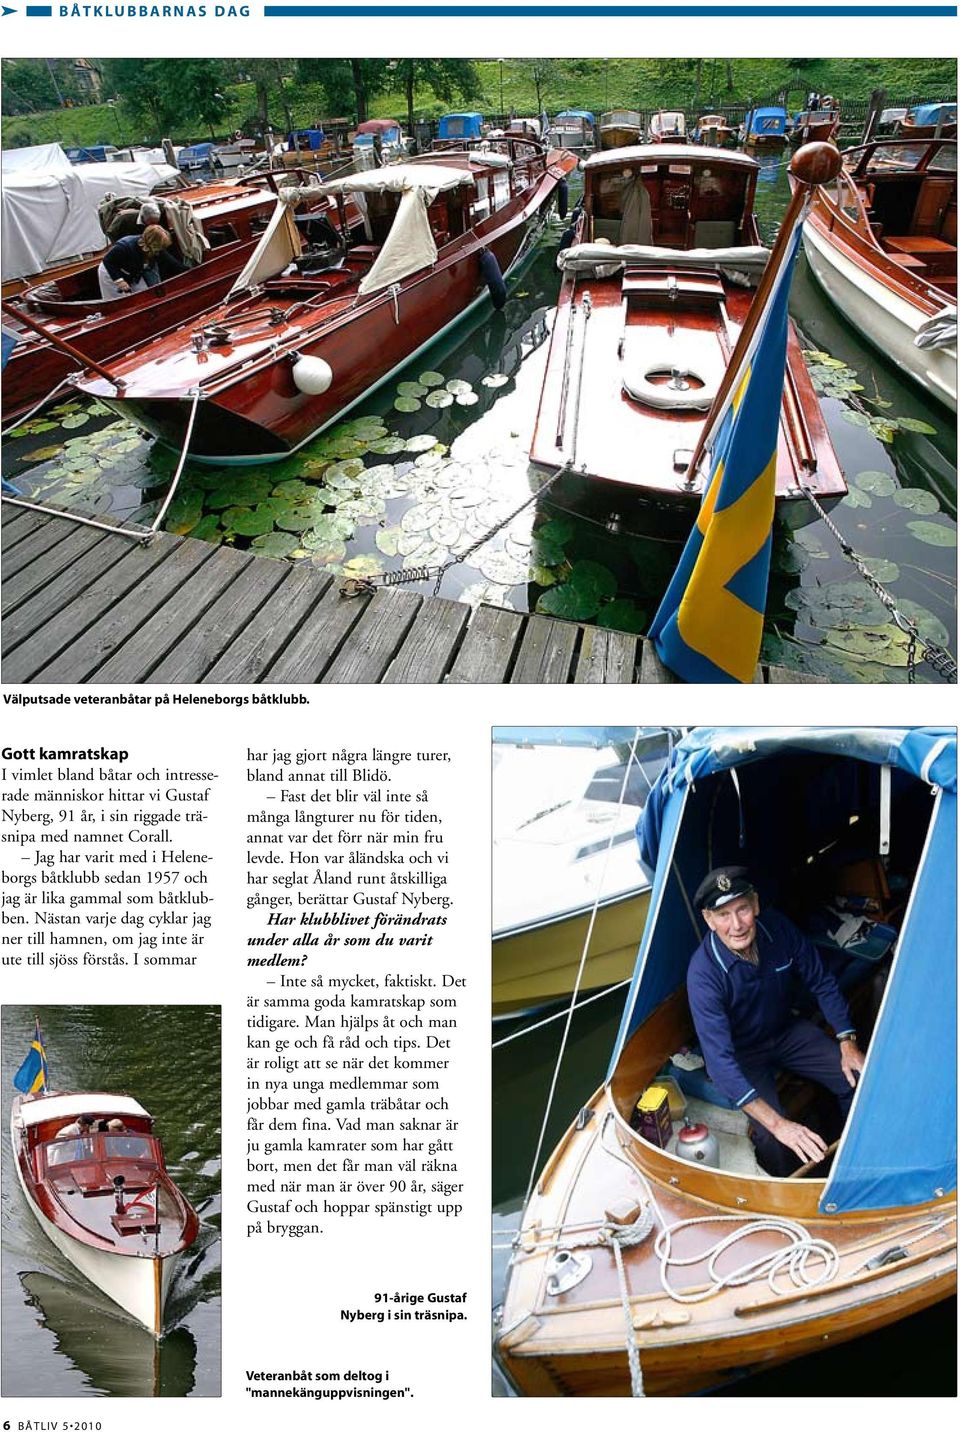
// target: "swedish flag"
[[31, 1077], [710, 622]]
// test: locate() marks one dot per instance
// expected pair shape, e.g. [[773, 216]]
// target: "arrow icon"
[[7, 10]]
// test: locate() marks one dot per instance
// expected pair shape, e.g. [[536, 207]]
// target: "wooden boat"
[[816, 126], [72, 312], [574, 129], [929, 121], [564, 841], [667, 126], [765, 128], [807, 812], [667, 297], [620, 127], [715, 130], [292, 349], [883, 246], [104, 1198]]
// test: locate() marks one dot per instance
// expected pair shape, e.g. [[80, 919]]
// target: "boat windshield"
[[69, 1150], [898, 156], [126, 1146]]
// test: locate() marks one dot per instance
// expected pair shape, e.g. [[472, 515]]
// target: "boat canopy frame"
[[889, 1156]]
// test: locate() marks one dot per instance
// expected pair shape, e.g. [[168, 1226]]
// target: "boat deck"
[[82, 605]]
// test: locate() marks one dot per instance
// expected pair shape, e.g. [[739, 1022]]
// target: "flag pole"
[[813, 164]]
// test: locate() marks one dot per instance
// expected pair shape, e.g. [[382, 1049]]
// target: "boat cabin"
[[196, 156], [671, 196], [668, 126], [305, 139], [905, 192], [849, 833], [767, 125], [458, 129], [574, 129], [927, 121]]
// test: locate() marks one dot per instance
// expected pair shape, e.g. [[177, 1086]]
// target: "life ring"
[[679, 394]]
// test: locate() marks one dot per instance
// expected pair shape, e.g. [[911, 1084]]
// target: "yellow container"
[[653, 1115]]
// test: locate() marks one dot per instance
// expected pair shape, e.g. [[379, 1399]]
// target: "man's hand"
[[851, 1061], [122, 285], [808, 1146]]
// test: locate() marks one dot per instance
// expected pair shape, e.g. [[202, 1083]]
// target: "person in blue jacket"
[[741, 983]]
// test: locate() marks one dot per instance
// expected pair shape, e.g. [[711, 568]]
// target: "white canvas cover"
[[56, 1106], [279, 245], [410, 245], [42, 158], [48, 218]]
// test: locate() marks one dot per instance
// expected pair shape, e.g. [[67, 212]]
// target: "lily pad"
[[367, 566], [362, 509], [543, 576], [930, 627], [275, 544], [250, 522], [569, 602], [427, 555], [916, 499], [387, 446], [207, 529], [43, 454], [440, 399], [856, 498], [420, 442], [882, 568], [407, 405], [495, 380], [411, 390], [387, 539], [558, 529], [593, 577], [421, 517], [622, 615], [908, 425], [456, 386], [500, 567], [344, 474], [433, 457], [880, 484], [934, 534], [293, 490], [430, 379], [185, 512], [790, 559], [466, 400]]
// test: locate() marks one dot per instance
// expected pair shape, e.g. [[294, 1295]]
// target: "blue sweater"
[[738, 1008]]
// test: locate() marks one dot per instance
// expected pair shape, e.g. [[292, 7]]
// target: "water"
[[914, 1357], [392, 489], [61, 1337]]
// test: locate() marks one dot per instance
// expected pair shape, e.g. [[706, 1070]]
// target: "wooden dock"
[[81, 605]]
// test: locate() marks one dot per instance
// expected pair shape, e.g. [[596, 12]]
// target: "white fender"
[[312, 375]]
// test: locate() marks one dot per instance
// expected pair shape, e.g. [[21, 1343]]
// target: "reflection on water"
[[438, 458], [62, 1337], [898, 1361]]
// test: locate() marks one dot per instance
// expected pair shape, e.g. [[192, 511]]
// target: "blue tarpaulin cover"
[[899, 1145], [930, 113], [467, 125], [770, 120]]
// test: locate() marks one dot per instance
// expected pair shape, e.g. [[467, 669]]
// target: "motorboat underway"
[[658, 1258], [299, 340], [765, 128], [667, 126], [566, 803], [71, 311], [92, 1171], [620, 127], [883, 245], [656, 288]]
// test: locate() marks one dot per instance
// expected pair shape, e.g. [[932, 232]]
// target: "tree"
[[347, 84], [447, 78], [543, 73]]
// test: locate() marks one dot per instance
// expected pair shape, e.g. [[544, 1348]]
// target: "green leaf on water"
[[75, 420], [407, 405], [466, 400], [569, 602], [909, 425], [367, 566], [622, 615], [916, 499], [43, 454], [543, 576], [184, 512], [440, 399], [420, 442], [856, 498], [882, 568], [456, 386], [387, 446], [593, 578], [558, 529], [495, 380], [411, 390], [387, 539], [275, 544], [249, 522], [934, 534], [208, 529], [430, 379], [881, 484]]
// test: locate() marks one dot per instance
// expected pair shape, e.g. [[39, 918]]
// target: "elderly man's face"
[[736, 923]]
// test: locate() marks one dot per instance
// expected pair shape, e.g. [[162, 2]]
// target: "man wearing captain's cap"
[[741, 984]]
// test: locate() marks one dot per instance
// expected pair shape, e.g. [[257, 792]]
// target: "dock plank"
[[431, 643], [606, 657], [317, 643], [781, 676], [251, 654], [208, 636], [25, 543], [118, 620], [546, 652], [88, 558], [175, 618], [39, 575], [486, 652], [65, 626], [652, 670], [376, 638]]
